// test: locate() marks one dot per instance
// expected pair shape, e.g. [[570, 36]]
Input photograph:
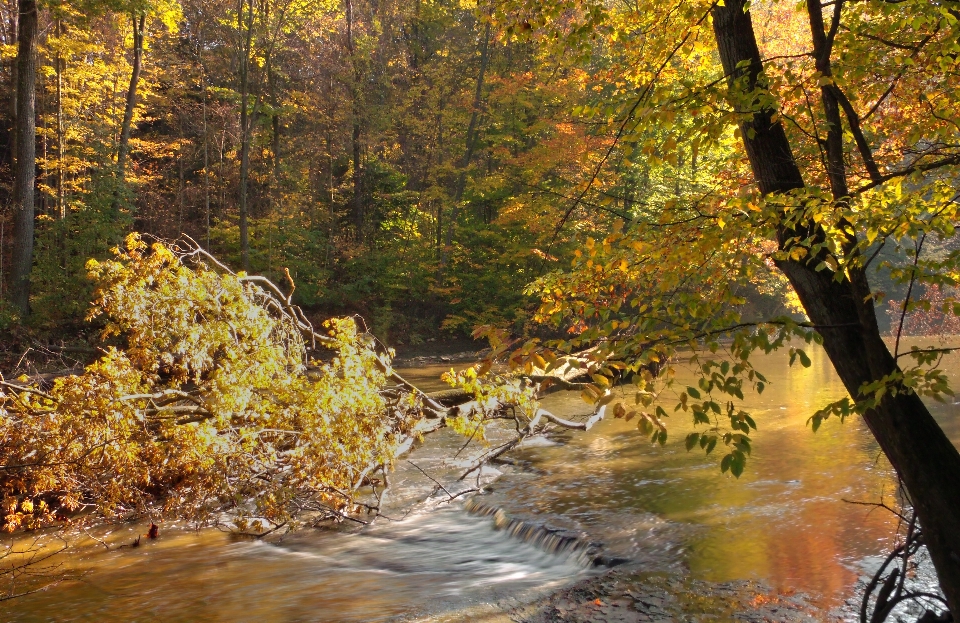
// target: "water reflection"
[[784, 521]]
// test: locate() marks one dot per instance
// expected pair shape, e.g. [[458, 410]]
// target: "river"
[[784, 522]]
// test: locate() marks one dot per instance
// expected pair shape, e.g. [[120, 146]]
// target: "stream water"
[[784, 522]]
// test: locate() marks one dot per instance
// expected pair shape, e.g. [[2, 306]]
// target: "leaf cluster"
[[209, 407]]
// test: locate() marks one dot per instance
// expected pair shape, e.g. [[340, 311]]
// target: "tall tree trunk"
[[44, 173], [275, 135], [357, 211], [206, 144], [923, 456], [26, 157], [12, 37], [123, 148], [61, 192], [61, 203], [472, 134], [181, 176], [331, 196], [246, 43]]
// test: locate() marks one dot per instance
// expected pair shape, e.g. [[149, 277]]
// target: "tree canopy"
[[607, 189]]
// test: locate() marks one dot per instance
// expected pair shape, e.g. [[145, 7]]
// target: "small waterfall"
[[551, 541]]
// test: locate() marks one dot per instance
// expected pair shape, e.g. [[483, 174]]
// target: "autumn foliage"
[[933, 314], [206, 407]]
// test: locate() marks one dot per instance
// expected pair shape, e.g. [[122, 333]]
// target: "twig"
[[437, 482]]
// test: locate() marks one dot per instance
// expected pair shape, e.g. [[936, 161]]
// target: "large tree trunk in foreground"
[[925, 459], [26, 157]]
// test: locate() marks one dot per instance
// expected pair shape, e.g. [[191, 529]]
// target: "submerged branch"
[[585, 425]]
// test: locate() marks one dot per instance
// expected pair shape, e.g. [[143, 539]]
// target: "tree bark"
[[923, 456], [61, 203], [26, 156], [123, 148], [471, 145], [246, 42], [206, 143], [357, 211], [275, 190]]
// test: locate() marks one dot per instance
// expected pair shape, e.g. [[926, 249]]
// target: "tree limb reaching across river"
[[207, 404]]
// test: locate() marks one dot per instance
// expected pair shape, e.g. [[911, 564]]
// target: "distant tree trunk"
[[274, 187], [61, 204], [181, 176], [924, 458], [331, 193], [206, 145], [440, 105], [41, 113], [275, 135], [356, 203], [246, 43], [12, 112], [123, 148], [472, 134], [26, 157]]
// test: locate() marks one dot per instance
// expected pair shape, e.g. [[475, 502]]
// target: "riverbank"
[[437, 351]]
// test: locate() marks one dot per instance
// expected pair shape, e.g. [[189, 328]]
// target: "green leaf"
[[691, 441], [815, 422], [711, 445], [737, 463]]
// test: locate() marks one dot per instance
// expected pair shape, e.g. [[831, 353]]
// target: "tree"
[[471, 146], [815, 192], [841, 304], [395, 140], [138, 20], [25, 167], [244, 48], [356, 201]]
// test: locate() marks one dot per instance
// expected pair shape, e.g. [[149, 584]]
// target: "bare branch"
[[585, 425]]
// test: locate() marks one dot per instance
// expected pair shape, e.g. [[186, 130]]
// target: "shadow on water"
[[666, 510]]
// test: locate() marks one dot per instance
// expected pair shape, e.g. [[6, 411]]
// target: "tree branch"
[[922, 168], [854, 122]]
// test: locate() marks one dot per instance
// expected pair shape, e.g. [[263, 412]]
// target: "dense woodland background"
[[410, 161], [402, 159], [630, 179]]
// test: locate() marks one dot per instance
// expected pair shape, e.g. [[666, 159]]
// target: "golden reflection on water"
[[784, 521]]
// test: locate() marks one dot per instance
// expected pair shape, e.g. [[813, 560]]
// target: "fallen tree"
[[206, 400]]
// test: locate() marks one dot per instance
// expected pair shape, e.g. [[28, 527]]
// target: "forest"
[[386, 154], [221, 221]]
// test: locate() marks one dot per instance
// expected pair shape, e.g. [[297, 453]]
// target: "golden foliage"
[[207, 408]]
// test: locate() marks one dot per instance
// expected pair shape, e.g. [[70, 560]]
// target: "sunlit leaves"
[[207, 408]]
